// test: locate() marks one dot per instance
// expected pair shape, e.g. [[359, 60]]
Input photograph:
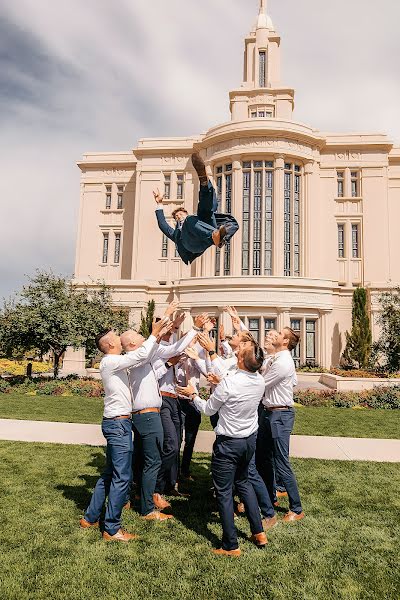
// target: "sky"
[[97, 75]]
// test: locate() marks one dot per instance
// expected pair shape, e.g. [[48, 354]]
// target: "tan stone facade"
[[318, 215]]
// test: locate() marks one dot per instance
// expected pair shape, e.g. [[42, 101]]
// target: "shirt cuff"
[[159, 208]]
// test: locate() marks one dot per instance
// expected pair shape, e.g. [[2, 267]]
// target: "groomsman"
[[117, 429], [277, 420], [236, 399]]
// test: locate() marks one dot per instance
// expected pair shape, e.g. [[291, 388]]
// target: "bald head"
[[131, 340]]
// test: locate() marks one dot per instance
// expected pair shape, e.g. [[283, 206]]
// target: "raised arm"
[[161, 220]]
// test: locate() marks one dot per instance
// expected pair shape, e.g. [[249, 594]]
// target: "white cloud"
[[97, 75]]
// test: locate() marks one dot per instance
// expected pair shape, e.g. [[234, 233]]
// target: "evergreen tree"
[[147, 318], [359, 340]]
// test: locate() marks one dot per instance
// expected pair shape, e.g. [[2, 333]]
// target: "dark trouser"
[[263, 497], [229, 466], [191, 419], [148, 443], [171, 423], [114, 481], [197, 230], [273, 450]]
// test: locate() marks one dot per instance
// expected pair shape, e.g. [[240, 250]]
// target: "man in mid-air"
[[193, 234]]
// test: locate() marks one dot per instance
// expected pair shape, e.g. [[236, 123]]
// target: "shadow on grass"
[[81, 494]]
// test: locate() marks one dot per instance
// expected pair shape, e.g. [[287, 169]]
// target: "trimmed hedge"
[[379, 397]]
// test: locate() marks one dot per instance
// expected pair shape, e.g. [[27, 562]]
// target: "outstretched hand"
[[171, 308], [213, 378], [157, 196], [161, 327]]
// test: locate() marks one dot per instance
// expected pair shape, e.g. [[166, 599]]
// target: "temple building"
[[318, 215]]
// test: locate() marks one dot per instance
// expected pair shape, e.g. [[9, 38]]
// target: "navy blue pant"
[[148, 443], [263, 497], [273, 451], [190, 419], [171, 424], [229, 466], [197, 230], [115, 480]]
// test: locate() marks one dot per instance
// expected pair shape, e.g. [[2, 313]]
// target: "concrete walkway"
[[302, 446]]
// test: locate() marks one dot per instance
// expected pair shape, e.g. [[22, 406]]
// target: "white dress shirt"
[[167, 381], [113, 371], [236, 399], [280, 379]]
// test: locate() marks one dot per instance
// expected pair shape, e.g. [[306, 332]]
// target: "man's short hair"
[[180, 209], [99, 337], [292, 336], [253, 357]]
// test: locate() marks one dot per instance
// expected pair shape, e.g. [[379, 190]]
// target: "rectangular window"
[[108, 197], [269, 179], [340, 229], [295, 324], [167, 186], [228, 194], [117, 249], [287, 223], [120, 196], [355, 192], [340, 184], [164, 247], [246, 223], [268, 325], [105, 248], [219, 169], [310, 342], [257, 222], [219, 209], [261, 114], [254, 328], [179, 186], [355, 240], [254, 114], [262, 68], [228, 167], [296, 225]]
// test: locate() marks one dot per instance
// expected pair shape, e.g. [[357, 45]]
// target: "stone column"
[[278, 217], [283, 319], [237, 210], [74, 362], [305, 221], [323, 344]]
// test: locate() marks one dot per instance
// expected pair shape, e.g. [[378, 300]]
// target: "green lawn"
[[345, 422], [347, 547]]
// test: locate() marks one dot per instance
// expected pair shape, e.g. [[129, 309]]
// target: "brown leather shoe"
[[281, 494], [218, 236], [240, 509], [83, 524], [259, 539], [120, 536], [156, 515], [292, 516], [127, 506], [269, 522], [222, 552], [200, 168], [160, 503]]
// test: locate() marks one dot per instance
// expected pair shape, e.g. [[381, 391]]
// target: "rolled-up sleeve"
[[215, 401]]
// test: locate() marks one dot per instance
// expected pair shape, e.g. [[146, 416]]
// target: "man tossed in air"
[[193, 234]]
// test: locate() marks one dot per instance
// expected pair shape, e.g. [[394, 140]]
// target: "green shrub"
[[5, 386], [379, 397]]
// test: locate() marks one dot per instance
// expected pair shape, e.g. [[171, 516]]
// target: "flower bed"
[[364, 374], [379, 397], [18, 367], [68, 386]]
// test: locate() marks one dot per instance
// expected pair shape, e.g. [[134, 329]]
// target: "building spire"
[[262, 22]]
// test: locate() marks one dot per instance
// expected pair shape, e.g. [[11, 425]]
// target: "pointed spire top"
[[264, 21]]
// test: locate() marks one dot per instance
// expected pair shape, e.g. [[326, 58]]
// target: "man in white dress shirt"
[[117, 429], [277, 420], [236, 399]]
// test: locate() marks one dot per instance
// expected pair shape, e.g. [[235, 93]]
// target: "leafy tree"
[[388, 345], [51, 313], [146, 319], [359, 340]]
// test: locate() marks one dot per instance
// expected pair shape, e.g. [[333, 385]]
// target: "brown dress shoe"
[[127, 506], [83, 524], [222, 552], [281, 494], [200, 168], [120, 536], [218, 236], [160, 503], [156, 515], [269, 522], [292, 516], [259, 539]]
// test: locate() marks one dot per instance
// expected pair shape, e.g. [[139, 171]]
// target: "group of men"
[[153, 388]]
